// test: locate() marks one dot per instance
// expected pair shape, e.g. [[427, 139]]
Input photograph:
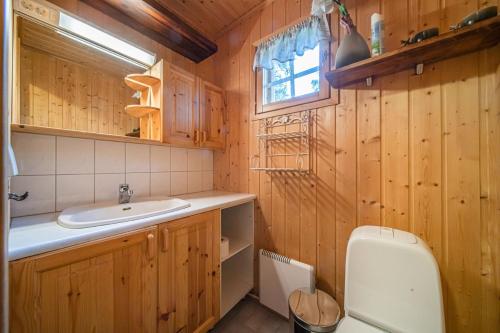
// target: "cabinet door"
[[211, 116], [105, 286], [180, 107], [189, 274]]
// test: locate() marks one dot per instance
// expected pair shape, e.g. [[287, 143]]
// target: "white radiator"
[[278, 277]]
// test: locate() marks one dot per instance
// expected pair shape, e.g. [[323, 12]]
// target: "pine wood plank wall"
[[58, 93], [419, 153]]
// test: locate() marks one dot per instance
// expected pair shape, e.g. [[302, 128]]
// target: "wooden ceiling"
[[211, 17]]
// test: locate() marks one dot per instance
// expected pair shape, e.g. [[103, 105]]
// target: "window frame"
[[323, 93]]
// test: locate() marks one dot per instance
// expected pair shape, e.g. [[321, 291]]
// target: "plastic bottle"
[[377, 25]]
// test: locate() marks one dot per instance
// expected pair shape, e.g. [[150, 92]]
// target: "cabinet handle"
[[204, 136], [151, 246], [196, 136], [165, 239]]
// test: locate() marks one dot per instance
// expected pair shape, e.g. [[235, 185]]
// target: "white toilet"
[[392, 284]]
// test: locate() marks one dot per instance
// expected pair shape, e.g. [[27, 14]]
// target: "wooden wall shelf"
[[141, 81], [450, 44], [139, 111]]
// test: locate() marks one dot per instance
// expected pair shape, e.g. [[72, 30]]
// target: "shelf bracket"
[[369, 81], [419, 69]]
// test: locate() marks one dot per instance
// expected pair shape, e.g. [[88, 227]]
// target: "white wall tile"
[[109, 157], [74, 190], [80, 171], [208, 160], [74, 156], [160, 158], [107, 185], [139, 183], [178, 182], [137, 158], [194, 181], [178, 159], [41, 198], [35, 154], [195, 159], [207, 181], [160, 183]]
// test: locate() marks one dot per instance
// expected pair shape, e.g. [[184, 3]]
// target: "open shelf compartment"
[[237, 224]]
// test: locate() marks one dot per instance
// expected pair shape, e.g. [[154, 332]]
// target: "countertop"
[[31, 235]]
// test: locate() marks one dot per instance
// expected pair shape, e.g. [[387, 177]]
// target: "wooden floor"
[[248, 317]]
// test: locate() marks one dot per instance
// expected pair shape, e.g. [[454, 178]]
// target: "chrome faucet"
[[124, 194]]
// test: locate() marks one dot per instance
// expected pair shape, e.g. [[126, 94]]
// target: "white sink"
[[109, 213]]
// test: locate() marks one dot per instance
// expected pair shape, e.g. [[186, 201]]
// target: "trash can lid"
[[316, 312]]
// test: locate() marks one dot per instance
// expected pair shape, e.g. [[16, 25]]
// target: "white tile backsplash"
[[178, 182], [160, 183], [195, 159], [208, 160], [61, 172], [178, 159], [35, 154], [207, 179], [137, 158], [74, 190], [74, 156], [160, 159], [194, 181], [109, 157], [107, 185], [41, 195], [139, 183]]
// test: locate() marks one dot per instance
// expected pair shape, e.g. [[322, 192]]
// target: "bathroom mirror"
[[64, 81]]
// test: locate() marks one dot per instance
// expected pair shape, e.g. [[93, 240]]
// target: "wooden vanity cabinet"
[[105, 286], [189, 274]]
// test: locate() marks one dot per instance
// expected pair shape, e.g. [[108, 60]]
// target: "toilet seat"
[[351, 325]]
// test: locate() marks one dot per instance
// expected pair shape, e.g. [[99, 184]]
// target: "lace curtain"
[[294, 41]]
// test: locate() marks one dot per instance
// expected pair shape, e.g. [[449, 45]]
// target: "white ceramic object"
[[106, 213], [392, 283]]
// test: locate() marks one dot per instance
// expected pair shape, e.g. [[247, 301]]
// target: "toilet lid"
[[351, 325]]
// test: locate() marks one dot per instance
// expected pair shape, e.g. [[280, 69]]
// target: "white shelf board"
[[235, 247]]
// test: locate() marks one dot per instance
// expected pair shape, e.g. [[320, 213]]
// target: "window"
[[299, 83], [295, 78]]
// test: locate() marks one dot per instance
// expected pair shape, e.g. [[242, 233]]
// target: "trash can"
[[312, 312]]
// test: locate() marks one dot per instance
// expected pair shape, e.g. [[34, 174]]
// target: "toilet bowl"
[[392, 284]]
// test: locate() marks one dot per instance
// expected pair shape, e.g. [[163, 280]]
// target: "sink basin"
[[109, 213]]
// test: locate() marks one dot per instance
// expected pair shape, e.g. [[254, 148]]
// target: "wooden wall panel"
[[419, 153], [60, 94]]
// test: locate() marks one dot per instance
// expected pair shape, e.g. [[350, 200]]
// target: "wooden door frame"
[[5, 100]]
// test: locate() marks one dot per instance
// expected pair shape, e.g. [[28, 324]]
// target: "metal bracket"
[[419, 69], [369, 81]]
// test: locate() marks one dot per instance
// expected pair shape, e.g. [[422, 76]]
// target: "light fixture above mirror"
[[87, 34]]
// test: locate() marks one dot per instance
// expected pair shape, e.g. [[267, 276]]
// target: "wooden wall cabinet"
[[180, 106], [105, 286], [189, 274], [212, 134], [193, 110]]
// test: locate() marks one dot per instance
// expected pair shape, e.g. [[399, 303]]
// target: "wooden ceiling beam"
[[158, 23]]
